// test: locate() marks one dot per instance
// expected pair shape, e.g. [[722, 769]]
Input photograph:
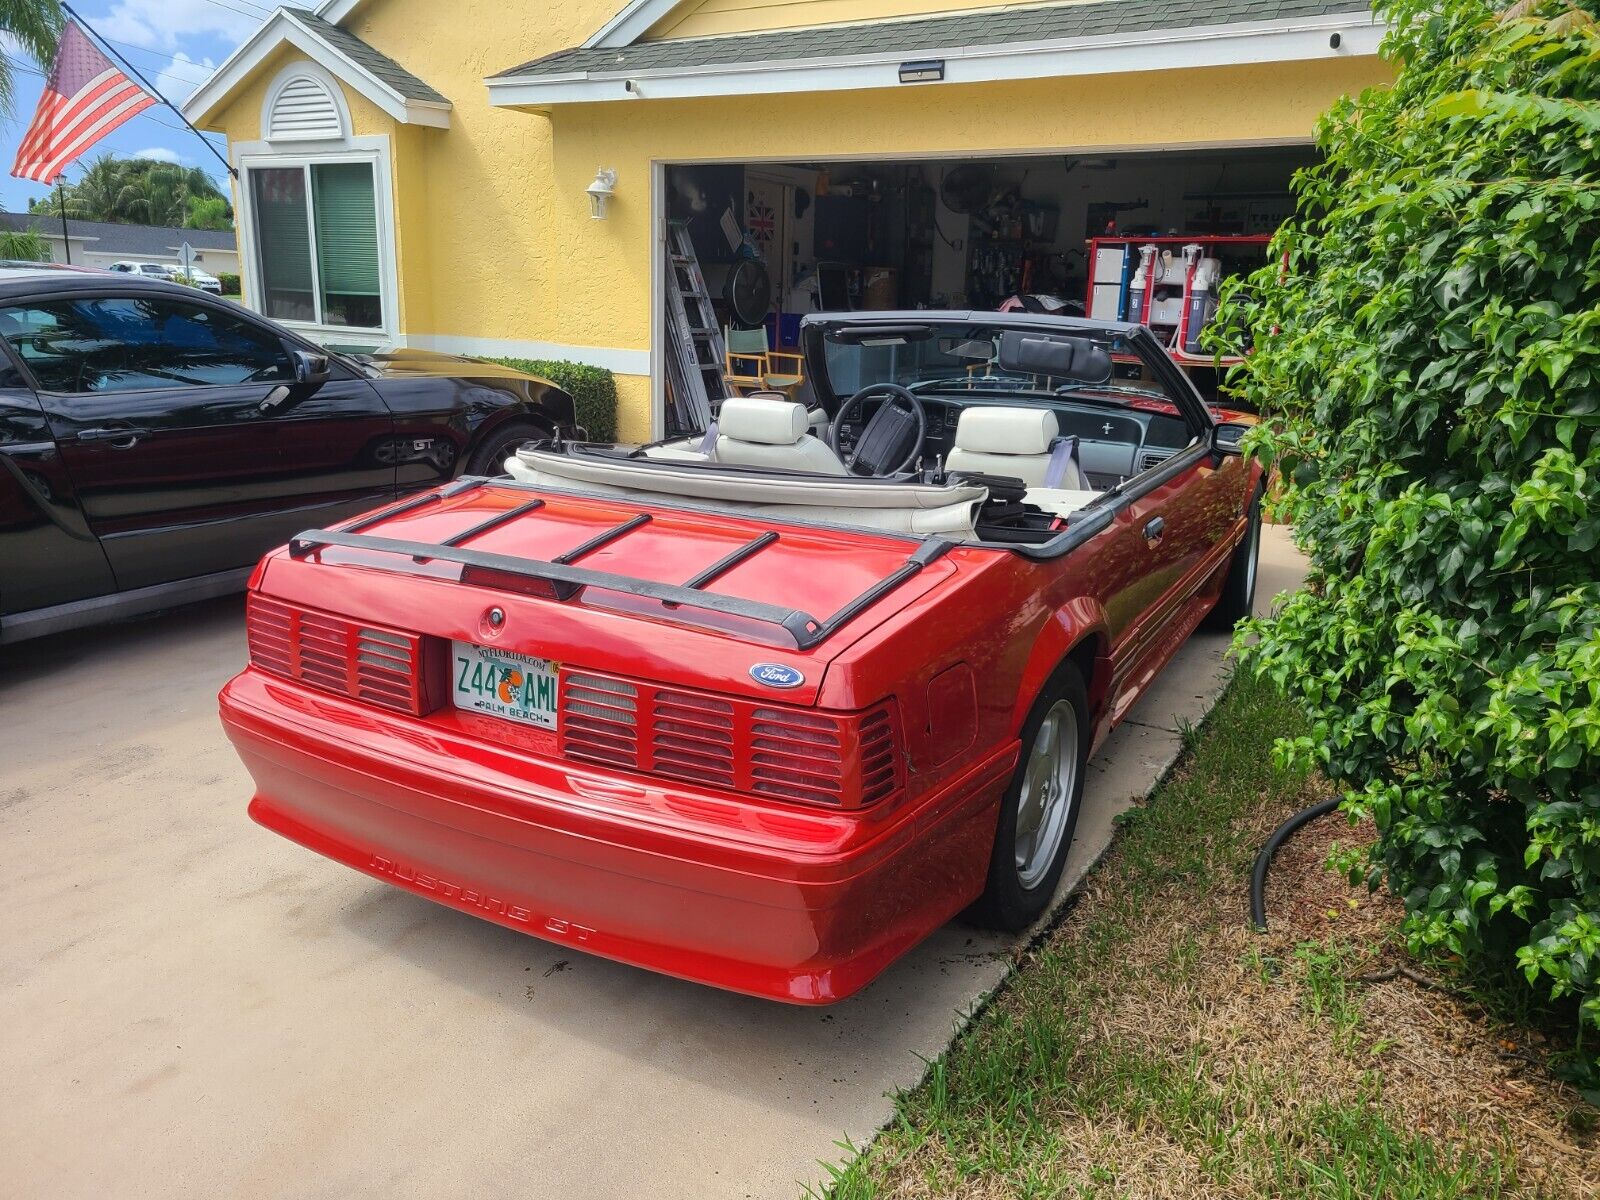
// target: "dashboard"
[[1112, 445]]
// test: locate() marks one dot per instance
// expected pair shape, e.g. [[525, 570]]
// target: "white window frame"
[[373, 149]]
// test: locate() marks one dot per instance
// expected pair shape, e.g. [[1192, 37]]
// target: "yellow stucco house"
[[415, 173]]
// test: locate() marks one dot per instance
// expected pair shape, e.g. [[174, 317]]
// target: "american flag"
[[85, 98]]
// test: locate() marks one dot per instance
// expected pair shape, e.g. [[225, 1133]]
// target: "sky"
[[173, 44]]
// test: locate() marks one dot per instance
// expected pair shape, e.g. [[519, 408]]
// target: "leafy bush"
[[230, 283], [1431, 359], [24, 245], [593, 390]]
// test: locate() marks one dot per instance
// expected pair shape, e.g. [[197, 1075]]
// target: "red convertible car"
[[763, 707]]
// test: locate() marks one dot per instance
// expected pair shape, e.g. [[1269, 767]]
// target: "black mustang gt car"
[[156, 441]]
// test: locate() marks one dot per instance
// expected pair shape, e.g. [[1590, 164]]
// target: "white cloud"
[[181, 76], [161, 24], [159, 154]]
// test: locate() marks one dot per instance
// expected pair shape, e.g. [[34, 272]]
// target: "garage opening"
[[753, 247]]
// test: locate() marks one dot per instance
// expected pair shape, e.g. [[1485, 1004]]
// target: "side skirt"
[[75, 614]]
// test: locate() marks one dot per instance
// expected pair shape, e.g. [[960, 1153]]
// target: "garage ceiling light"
[[929, 70]]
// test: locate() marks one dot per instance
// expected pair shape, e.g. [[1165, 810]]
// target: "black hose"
[[1258, 877]]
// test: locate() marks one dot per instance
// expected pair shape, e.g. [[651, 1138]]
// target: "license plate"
[[503, 683]]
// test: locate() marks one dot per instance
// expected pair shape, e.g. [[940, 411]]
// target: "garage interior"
[[777, 240]]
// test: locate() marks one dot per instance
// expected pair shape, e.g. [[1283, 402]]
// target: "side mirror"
[[1227, 438], [311, 370]]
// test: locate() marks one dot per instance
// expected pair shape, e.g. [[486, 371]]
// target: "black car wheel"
[[1039, 812], [489, 458]]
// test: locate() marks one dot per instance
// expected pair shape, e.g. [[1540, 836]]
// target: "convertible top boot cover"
[[869, 504]]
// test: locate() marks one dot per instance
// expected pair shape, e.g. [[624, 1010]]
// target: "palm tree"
[[25, 245], [208, 212], [160, 192], [144, 192], [35, 24], [105, 193]]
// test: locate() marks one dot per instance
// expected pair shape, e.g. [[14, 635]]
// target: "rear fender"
[[1076, 629]]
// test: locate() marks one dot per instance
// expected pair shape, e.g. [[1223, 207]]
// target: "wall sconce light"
[[605, 183]]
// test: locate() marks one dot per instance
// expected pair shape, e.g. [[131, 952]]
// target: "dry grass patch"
[[1151, 1047]]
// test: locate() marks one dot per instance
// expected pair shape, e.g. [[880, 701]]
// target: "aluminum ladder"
[[696, 354]]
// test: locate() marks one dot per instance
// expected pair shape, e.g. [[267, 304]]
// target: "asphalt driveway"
[[195, 1007]]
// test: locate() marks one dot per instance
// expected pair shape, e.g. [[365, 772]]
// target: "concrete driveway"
[[194, 1007]]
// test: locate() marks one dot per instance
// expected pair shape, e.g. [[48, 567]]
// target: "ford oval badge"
[[776, 675]]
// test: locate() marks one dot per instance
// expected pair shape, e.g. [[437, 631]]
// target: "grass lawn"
[[1150, 1046]]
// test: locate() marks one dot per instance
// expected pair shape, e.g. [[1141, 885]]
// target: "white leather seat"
[[1004, 441], [816, 417], [758, 431]]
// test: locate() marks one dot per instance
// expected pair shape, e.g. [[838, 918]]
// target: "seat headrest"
[[767, 422], [1006, 430]]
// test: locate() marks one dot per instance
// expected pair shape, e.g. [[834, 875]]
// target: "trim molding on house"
[[334, 11], [621, 362], [627, 27], [1292, 40], [280, 30]]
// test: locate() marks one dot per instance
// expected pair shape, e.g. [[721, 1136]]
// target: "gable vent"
[[304, 111]]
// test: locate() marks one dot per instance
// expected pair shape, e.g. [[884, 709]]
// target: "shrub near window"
[[593, 391], [1432, 362]]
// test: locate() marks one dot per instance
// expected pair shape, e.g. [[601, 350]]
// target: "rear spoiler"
[[562, 580]]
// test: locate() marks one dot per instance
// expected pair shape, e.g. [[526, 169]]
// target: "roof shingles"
[[133, 241], [379, 65], [1043, 23]]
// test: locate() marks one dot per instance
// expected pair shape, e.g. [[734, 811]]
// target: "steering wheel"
[[893, 438]]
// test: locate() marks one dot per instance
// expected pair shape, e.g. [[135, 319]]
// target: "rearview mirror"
[[1227, 438], [1059, 357], [311, 369]]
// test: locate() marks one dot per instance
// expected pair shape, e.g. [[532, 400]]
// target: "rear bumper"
[[784, 903]]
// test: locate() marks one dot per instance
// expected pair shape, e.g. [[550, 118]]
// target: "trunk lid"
[[820, 572]]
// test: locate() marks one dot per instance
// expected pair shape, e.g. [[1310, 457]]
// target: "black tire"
[[1239, 589], [490, 455], [1008, 902]]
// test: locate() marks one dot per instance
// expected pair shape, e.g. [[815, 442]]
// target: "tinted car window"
[[126, 343]]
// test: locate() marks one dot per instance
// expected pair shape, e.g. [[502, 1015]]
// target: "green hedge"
[[1427, 351], [230, 283], [593, 391]]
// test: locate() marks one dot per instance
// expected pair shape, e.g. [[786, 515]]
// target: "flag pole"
[[61, 200], [149, 87]]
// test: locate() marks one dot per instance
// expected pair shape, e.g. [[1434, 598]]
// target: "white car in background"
[[205, 281]]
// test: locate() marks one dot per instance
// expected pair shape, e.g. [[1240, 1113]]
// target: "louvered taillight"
[[348, 658], [842, 760]]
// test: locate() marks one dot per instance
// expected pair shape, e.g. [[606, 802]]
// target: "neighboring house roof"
[[1209, 31], [129, 241], [369, 72]]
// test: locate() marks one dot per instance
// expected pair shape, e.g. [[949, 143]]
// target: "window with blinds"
[[283, 241], [347, 243], [316, 229]]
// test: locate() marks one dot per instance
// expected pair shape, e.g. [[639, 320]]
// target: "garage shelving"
[[1166, 301]]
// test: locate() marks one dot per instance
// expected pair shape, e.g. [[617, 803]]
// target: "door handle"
[[1154, 528], [121, 437]]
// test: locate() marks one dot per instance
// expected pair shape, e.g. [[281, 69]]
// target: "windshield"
[[966, 359]]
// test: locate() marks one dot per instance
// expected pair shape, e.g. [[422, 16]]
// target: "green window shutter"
[[347, 229]]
